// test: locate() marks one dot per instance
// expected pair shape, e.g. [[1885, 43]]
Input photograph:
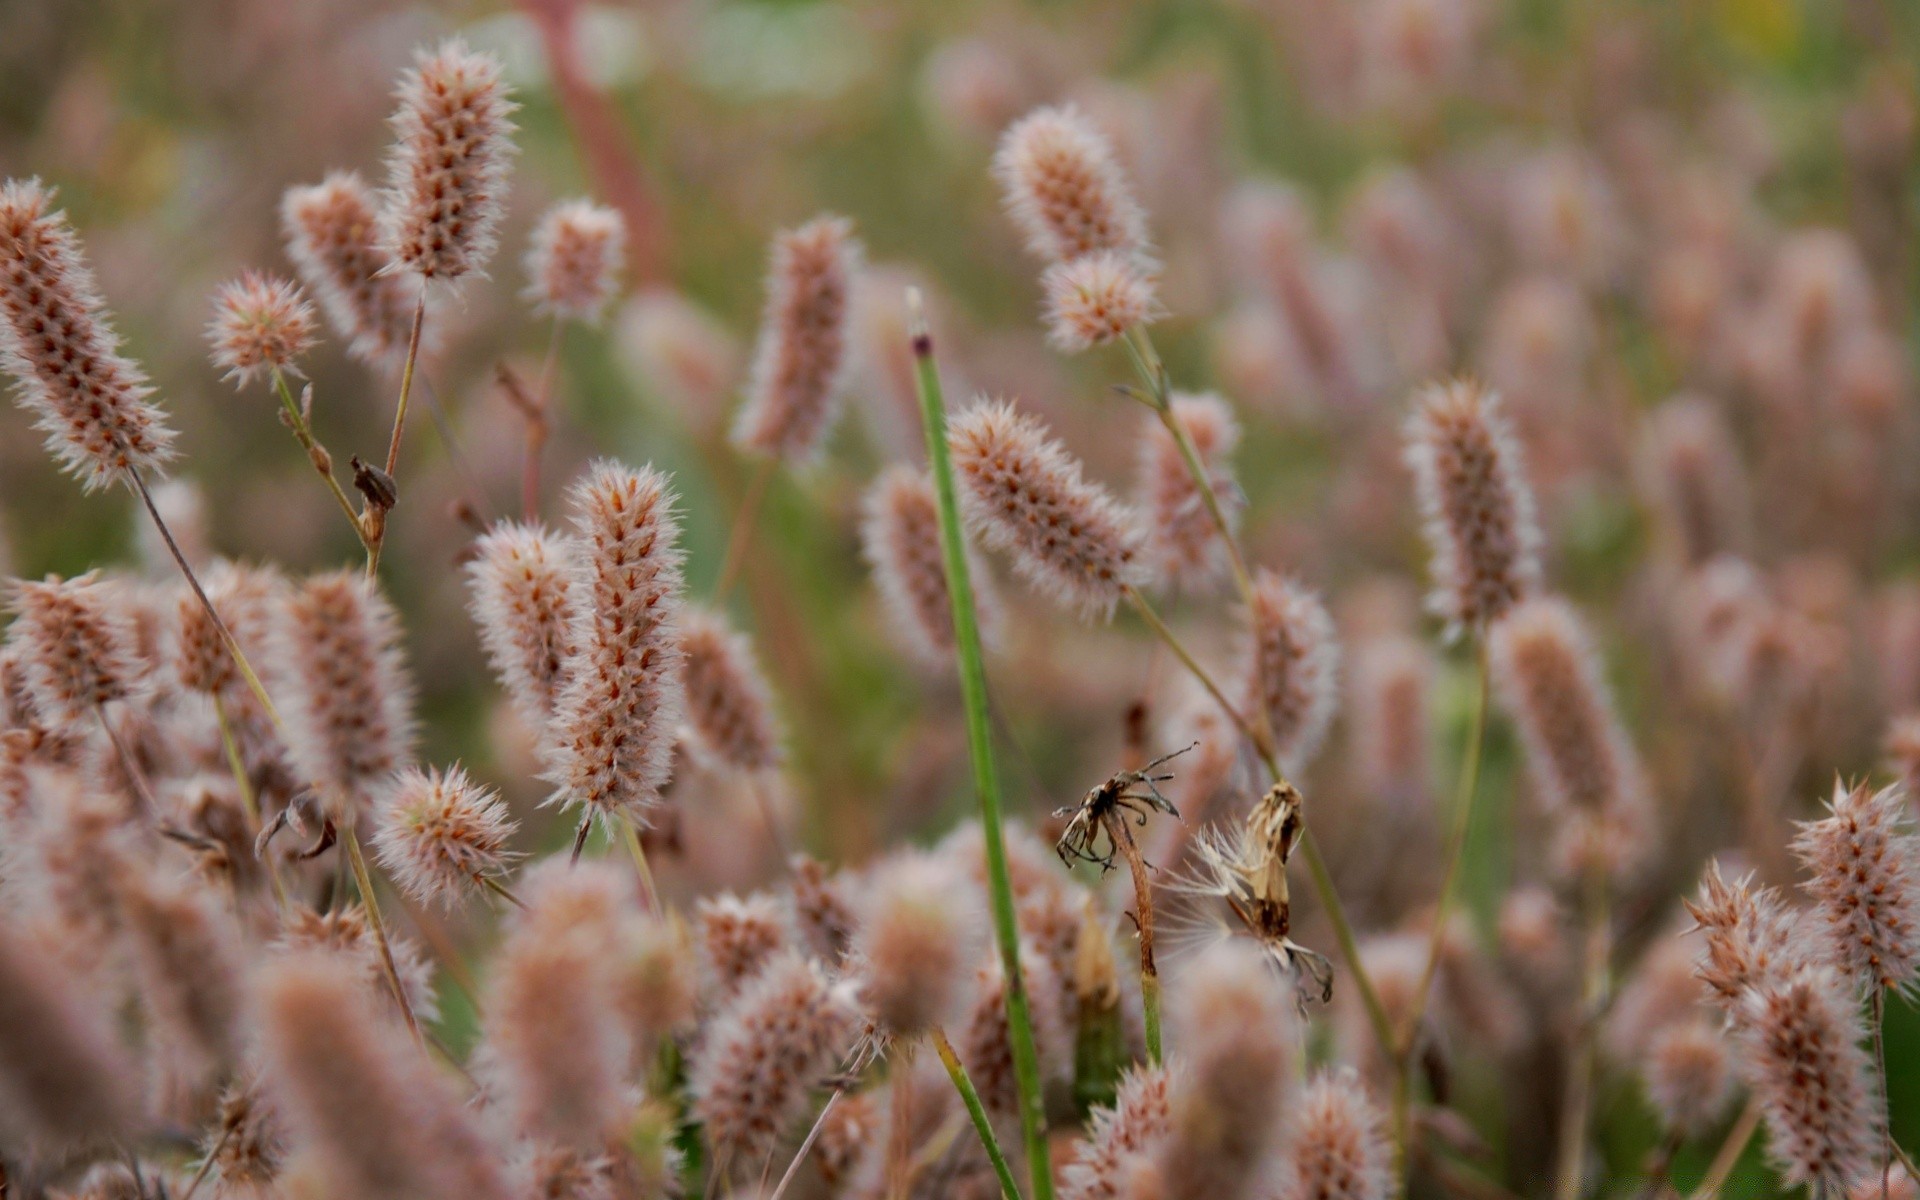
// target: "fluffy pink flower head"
[[573, 263], [1065, 190], [261, 324], [1802, 1040], [439, 834], [1183, 543], [447, 172], [1864, 875], [1095, 299], [800, 362], [1478, 509], [728, 703], [77, 649], [332, 233], [64, 357], [1293, 667], [521, 584], [1338, 1144], [1022, 492], [900, 539]]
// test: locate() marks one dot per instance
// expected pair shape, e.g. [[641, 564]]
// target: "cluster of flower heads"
[[186, 769]]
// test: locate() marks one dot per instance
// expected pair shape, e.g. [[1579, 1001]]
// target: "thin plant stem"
[[806, 1145], [378, 534], [316, 453], [743, 521], [135, 776], [501, 890], [1729, 1153], [1121, 835], [973, 686], [1886, 1096], [1579, 1103], [206, 1163], [630, 833], [362, 880], [537, 429], [971, 1098], [248, 799]]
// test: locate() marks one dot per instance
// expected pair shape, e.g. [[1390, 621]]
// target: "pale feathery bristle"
[[615, 724], [555, 1033], [1476, 503], [447, 171], [573, 261], [683, 354], [915, 944], [737, 936], [1585, 768], [1863, 865], [63, 1076], [344, 934], [332, 234], [440, 835], [248, 599], [1801, 1048], [800, 363], [1293, 672], [521, 593], [1139, 1118], [1390, 721], [729, 705], [1239, 1035], [763, 1055], [63, 355], [1337, 1143], [984, 1041], [1688, 1072], [1184, 546], [1753, 939], [247, 1144], [348, 696], [900, 539], [1023, 493], [261, 324], [186, 951], [77, 647], [358, 1097], [1064, 189], [1096, 299], [822, 913], [1690, 469]]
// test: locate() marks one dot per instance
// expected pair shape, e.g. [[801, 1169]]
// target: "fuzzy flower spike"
[[64, 357], [800, 363], [1065, 190], [573, 263], [1864, 868]]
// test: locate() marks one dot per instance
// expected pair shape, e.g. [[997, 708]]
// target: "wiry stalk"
[[378, 534], [958, 1073], [973, 685], [1730, 1150], [743, 522], [316, 453], [248, 800], [1122, 837], [364, 882]]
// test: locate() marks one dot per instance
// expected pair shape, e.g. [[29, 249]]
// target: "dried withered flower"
[[729, 706], [345, 933], [1476, 503], [63, 1077], [554, 1030], [1183, 544], [1294, 667], [332, 232], [439, 834], [349, 698], [1095, 299], [573, 262], [1139, 1119], [1390, 719], [900, 539], [1337, 1143], [1688, 1072], [1587, 772], [1022, 492], [261, 324], [1800, 1039], [521, 582], [736, 936], [1239, 1036], [915, 944], [64, 357], [358, 1097], [764, 1052], [1752, 938], [77, 648], [800, 361], [1863, 868], [614, 726], [1064, 188], [447, 171]]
